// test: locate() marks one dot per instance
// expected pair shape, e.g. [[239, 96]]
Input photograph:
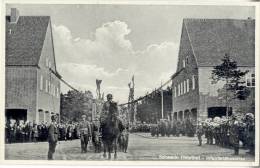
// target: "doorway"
[[16, 114], [218, 112]]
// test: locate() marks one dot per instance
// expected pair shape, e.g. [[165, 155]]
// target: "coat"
[[52, 133]]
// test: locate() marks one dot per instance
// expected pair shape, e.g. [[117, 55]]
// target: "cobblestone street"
[[141, 147]]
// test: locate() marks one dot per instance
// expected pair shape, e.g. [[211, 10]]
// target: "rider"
[[106, 107]]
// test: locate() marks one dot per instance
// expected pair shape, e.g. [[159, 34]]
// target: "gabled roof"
[[25, 39], [212, 38]]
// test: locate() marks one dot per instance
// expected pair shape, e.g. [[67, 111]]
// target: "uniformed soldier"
[[250, 132], [173, 127], [234, 134], [199, 132], [52, 137], [105, 109], [178, 128], [211, 131], [85, 133]]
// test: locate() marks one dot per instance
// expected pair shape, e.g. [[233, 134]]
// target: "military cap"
[[53, 117], [250, 115], [84, 116], [234, 116], [109, 95]]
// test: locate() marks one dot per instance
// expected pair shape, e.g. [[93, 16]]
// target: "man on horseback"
[[106, 106], [110, 126]]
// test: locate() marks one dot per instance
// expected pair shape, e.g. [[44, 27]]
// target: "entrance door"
[[194, 114], [16, 114], [175, 115], [180, 115], [218, 112]]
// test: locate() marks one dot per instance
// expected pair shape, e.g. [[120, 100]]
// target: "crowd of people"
[[174, 128], [166, 127], [229, 131], [223, 131], [26, 131]]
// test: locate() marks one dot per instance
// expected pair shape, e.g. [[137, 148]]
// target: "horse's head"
[[113, 111]]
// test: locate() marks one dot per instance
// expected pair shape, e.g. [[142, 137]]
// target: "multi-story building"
[[203, 44], [32, 81]]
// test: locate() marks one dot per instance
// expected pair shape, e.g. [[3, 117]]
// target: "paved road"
[[141, 147]]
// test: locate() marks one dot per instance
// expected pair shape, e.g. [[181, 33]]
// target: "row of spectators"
[[167, 128], [20, 131]]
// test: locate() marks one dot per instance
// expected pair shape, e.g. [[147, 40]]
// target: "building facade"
[[203, 44], [32, 80]]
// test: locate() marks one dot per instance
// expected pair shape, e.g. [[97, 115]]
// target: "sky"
[[115, 42]]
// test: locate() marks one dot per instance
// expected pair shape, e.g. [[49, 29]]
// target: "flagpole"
[[162, 100]]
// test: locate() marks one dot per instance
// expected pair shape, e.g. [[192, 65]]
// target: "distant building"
[[203, 44], [32, 81]]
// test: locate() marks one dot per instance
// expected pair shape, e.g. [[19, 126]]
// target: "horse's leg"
[[105, 146], [109, 151], [126, 143], [115, 147]]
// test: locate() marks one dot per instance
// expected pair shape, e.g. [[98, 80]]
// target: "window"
[[47, 62], [58, 92], [54, 90], [179, 90], [49, 87], [41, 83], [193, 82], [184, 86], [187, 60], [253, 79], [51, 90], [250, 80], [175, 91], [183, 63], [188, 85], [46, 86]]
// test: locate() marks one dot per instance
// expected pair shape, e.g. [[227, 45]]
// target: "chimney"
[[14, 15]]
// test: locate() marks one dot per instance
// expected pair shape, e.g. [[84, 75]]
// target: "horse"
[[110, 131]]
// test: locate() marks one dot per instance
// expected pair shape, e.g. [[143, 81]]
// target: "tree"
[[234, 87], [74, 104]]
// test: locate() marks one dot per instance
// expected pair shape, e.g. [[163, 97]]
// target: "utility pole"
[[162, 100], [131, 104]]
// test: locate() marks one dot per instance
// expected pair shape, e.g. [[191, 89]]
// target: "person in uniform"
[[105, 109], [211, 131], [250, 132], [199, 132], [178, 128], [85, 133], [234, 134], [52, 137]]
